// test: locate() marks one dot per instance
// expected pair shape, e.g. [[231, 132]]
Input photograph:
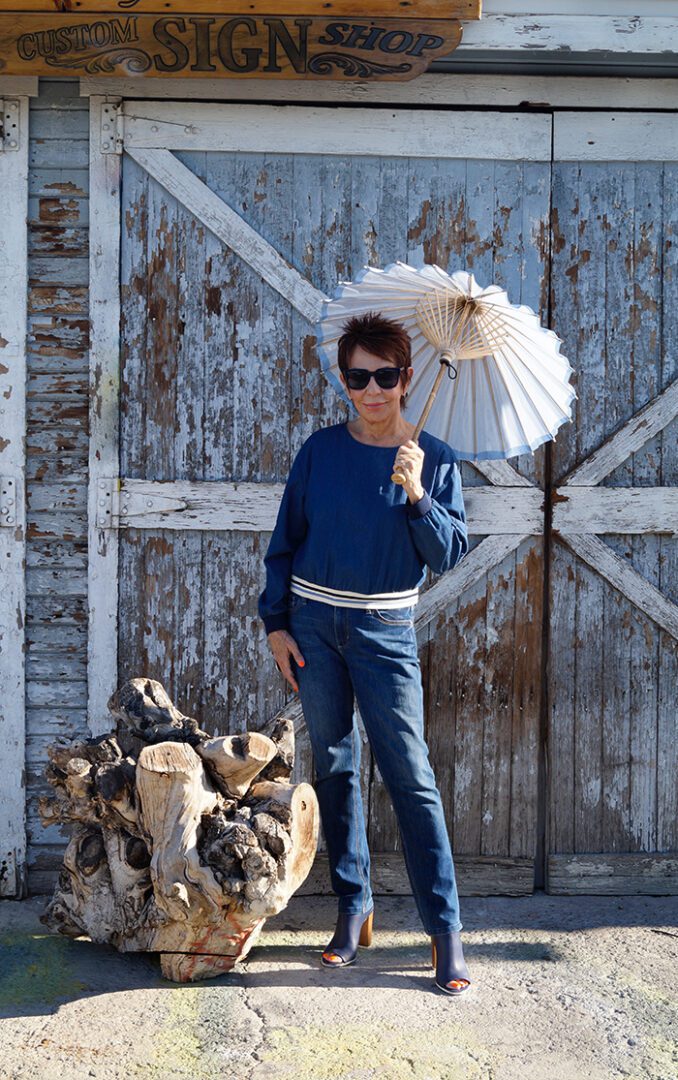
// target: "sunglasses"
[[385, 377]]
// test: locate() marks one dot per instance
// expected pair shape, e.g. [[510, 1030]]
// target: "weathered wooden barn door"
[[13, 292], [234, 222], [613, 686]]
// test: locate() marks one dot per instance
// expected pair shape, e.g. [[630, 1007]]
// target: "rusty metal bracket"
[[118, 500], [108, 502], [10, 507], [112, 127], [10, 127], [141, 500]]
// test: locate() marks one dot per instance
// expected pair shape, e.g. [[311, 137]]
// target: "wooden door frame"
[[105, 171], [13, 326], [443, 90]]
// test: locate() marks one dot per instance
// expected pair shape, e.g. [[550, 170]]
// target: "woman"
[[343, 568]]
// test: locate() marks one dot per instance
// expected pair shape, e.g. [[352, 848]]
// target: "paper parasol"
[[509, 389]]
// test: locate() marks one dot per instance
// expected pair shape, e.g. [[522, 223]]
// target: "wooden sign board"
[[326, 9], [232, 46]]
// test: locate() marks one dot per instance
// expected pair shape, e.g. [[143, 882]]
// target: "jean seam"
[[354, 735], [389, 622]]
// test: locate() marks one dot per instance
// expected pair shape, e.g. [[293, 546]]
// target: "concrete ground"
[[564, 988]]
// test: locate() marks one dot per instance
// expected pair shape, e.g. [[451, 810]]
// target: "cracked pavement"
[[562, 986]]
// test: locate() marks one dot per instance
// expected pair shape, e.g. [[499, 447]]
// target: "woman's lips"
[[376, 405]]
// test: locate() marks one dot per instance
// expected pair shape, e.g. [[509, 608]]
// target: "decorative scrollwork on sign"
[[351, 66], [133, 60]]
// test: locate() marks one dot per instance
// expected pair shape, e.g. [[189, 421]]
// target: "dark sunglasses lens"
[[357, 378], [387, 378]]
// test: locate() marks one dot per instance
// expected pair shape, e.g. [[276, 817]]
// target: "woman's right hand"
[[284, 647]]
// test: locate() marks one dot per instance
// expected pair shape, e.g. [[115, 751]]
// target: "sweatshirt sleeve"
[[438, 521], [290, 530]]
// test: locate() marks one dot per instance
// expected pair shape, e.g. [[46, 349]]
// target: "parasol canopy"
[[509, 385]]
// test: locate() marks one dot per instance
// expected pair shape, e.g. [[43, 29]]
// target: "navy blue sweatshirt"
[[344, 525]]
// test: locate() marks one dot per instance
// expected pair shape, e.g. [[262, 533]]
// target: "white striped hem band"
[[342, 598]]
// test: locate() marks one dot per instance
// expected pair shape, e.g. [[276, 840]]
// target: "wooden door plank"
[[643, 426], [187, 125], [617, 645], [470, 570], [552, 33], [252, 507], [13, 292], [229, 226], [615, 136], [496, 703], [526, 699], [589, 284], [102, 571], [587, 713], [616, 509], [562, 91], [646, 261], [624, 578], [667, 555], [477, 875], [471, 623], [628, 874]]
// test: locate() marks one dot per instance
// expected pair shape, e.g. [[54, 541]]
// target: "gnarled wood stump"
[[183, 844]]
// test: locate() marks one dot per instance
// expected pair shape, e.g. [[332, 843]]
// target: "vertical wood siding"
[[13, 288], [613, 670], [220, 382], [56, 441]]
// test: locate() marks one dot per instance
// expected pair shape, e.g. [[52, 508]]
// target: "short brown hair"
[[376, 334]]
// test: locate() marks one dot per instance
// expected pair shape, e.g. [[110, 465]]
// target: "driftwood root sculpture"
[[182, 844]]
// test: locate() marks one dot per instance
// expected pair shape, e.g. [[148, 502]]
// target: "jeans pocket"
[[403, 616]]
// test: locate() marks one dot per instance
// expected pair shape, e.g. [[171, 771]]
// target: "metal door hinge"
[[122, 500], [108, 501], [11, 512], [10, 127], [112, 127]]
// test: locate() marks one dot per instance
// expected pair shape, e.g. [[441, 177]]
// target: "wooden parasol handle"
[[445, 358]]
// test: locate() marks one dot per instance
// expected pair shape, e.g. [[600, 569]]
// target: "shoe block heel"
[[366, 931], [434, 958]]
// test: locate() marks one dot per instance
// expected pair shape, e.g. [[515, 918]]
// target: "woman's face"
[[374, 404]]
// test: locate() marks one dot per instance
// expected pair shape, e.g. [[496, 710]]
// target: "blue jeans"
[[372, 655]]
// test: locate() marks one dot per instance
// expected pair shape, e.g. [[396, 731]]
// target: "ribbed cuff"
[[420, 509], [276, 622]]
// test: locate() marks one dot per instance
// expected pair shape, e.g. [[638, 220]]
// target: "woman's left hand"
[[410, 461]]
